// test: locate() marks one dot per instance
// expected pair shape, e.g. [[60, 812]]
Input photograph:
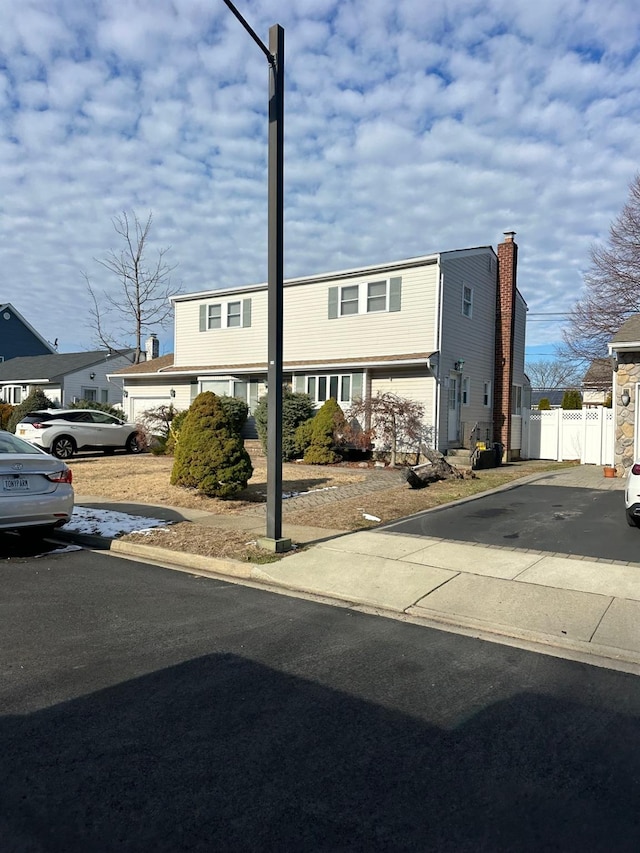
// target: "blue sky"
[[410, 128]]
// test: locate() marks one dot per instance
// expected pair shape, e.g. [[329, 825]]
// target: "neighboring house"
[[64, 377], [597, 383], [625, 352], [553, 395], [446, 330], [19, 338]]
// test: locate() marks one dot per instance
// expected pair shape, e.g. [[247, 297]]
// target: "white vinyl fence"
[[584, 434]]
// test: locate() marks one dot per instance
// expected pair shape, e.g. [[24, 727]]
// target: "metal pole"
[[275, 263], [275, 291]]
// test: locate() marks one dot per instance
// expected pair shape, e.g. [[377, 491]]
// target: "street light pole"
[[275, 56]]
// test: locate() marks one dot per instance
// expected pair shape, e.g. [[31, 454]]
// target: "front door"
[[453, 419]]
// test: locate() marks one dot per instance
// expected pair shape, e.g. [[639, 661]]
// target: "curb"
[[608, 657]]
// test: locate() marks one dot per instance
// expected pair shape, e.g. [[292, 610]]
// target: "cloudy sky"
[[411, 127]]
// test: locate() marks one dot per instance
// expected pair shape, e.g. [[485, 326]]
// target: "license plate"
[[16, 484], [22, 432]]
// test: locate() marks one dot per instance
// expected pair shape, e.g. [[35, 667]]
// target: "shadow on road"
[[222, 753]]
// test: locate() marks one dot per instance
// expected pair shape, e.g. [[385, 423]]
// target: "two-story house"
[[18, 337], [446, 330]]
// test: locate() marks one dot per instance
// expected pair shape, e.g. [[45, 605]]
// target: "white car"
[[632, 496], [35, 490], [65, 431]]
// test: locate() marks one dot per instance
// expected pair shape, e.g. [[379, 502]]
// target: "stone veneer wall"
[[628, 376]]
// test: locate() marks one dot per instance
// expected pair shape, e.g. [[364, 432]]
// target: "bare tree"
[[612, 285], [394, 422], [142, 303], [553, 373]]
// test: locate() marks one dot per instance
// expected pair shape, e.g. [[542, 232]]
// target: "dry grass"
[[145, 479]]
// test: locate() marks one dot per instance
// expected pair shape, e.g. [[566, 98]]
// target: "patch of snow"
[[108, 523]]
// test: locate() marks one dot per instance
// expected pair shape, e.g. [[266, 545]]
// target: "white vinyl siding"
[[309, 333]]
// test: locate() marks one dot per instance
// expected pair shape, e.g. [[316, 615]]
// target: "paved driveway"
[[574, 512]]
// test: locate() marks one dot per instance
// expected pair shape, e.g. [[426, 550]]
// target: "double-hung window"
[[376, 296], [466, 392], [225, 315], [234, 315], [486, 394], [382, 295], [467, 300], [214, 316], [516, 400], [349, 300]]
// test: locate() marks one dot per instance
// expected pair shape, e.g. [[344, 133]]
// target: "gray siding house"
[[64, 377]]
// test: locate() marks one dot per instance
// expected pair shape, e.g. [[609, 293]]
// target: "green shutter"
[[333, 302], [203, 318], [246, 313], [356, 386], [395, 294], [298, 383]]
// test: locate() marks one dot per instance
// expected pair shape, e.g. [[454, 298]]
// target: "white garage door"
[[138, 405]]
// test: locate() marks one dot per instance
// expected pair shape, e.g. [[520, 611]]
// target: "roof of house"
[[599, 375], [629, 331], [7, 306], [50, 367], [164, 365], [553, 395]]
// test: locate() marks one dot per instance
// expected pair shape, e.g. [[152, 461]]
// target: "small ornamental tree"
[[35, 402], [210, 455], [323, 433], [296, 409], [394, 422], [544, 405], [572, 399]]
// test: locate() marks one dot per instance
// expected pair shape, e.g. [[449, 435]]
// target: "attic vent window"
[[6, 315]]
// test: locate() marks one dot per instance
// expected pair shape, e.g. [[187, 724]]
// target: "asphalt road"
[[150, 710], [589, 522]]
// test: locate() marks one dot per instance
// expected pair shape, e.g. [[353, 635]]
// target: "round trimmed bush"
[[322, 449]]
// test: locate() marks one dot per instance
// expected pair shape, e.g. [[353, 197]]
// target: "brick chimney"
[[505, 319]]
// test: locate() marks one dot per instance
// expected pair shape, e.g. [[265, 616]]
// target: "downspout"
[[437, 385]]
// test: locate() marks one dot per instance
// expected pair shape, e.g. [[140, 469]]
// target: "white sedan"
[[35, 489], [632, 496]]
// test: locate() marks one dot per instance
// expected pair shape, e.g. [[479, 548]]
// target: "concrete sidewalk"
[[567, 605]]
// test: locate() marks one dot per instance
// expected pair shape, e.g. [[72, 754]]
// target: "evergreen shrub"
[[210, 456]]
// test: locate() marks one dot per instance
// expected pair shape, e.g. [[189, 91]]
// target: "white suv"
[[65, 431]]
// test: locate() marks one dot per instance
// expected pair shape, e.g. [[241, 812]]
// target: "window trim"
[[392, 297], [225, 306], [465, 391], [486, 393], [316, 381], [467, 304], [515, 409]]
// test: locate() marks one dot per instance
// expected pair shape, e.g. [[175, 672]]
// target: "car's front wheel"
[[63, 447], [632, 520], [133, 443]]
